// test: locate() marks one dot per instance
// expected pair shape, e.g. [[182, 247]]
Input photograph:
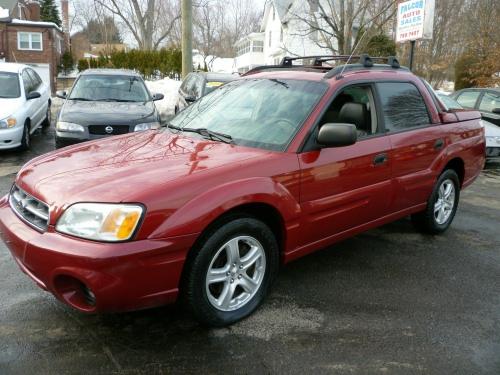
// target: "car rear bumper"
[[11, 138], [92, 276]]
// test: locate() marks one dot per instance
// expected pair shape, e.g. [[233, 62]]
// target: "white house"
[[282, 33]]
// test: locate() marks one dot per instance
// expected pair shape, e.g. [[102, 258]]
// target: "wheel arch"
[[457, 164]]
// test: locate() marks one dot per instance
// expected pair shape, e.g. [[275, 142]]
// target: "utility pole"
[[187, 37]]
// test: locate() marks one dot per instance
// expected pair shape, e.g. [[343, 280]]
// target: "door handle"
[[438, 145], [380, 159]]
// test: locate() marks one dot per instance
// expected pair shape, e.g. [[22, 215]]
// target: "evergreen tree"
[[49, 12]]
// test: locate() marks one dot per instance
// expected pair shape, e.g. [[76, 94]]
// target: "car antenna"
[[352, 53]]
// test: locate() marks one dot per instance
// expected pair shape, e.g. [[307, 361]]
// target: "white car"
[[491, 131], [24, 105]]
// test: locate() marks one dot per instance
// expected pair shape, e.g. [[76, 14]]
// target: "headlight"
[[69, 127], [147, 126], [100, 221], [493, 139], [7, 123]]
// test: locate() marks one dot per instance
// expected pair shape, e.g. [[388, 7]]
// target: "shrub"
[[162, 62]]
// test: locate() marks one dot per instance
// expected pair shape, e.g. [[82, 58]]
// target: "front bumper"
[[117, 276], [11, 138]]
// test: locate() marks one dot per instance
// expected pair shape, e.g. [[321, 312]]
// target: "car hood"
[[491, 130], [87, 113], [8, 106], [128, 168]]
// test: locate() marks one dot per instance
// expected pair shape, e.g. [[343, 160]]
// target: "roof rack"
[[318, 64]]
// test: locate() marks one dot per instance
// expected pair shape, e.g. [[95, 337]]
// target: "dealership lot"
[[387, 301]]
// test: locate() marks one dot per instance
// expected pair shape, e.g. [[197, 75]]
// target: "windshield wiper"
[[215, 136], [81, 99], [116, 100]]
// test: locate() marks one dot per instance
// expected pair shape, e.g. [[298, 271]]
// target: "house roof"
[[15, 21], [282, 7]]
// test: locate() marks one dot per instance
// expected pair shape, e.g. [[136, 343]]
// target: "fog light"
[[89, 295]]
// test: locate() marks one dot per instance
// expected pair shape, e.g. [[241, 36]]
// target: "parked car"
[[485, 100], [211, 206], [198, 84], [105, 102], [491, 131], [24, 105]]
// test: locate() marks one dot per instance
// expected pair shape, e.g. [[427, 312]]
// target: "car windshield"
[[262, 113], [9, 85], [114, 88]]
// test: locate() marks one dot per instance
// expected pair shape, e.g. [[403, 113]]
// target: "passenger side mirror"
[[496, 110], [61, 94], [337, 135], [33, 95], [190, 99], [158, 96]]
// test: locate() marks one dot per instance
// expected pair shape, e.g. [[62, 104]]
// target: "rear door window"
[[403, 107], [468, 99], [489, 102]]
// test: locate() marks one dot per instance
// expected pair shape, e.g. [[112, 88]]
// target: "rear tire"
[[441, 206], [26, 138], [231, 272]]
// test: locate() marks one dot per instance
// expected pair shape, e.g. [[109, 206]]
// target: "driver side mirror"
[[337, 135], [61, 94], [496, 110], [33, 95], [158, 96], [190, 99]]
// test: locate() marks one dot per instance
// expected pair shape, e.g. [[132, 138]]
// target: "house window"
[[258, 46], [274, 14], [29, 41], [281, 35], [270, 37]]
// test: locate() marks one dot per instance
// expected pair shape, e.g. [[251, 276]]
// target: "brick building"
[[25, 39]]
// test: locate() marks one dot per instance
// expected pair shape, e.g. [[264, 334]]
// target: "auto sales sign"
[[415, 20]]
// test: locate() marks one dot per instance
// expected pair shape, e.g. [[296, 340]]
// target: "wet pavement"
[[390, 301]]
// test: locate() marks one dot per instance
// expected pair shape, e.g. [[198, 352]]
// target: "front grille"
[[115, 129], [30, 209]]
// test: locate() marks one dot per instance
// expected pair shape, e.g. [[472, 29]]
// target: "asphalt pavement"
[[390, 301]]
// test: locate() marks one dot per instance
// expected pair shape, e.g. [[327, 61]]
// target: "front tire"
[[441, 206], [232, 272], [48, 117], [26, 138]]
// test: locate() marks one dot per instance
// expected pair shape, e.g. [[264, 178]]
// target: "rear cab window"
[[402, 106]]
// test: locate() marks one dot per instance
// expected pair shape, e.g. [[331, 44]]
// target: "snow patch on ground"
[[169, 88]]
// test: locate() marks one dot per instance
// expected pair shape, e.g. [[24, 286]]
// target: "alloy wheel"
[[443, 207], [235, 273]]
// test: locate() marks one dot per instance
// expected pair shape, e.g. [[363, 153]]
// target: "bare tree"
[[209, 26], [339, 24], [219, 24], [150, 22]]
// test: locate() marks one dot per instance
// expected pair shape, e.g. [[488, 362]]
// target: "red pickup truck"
[[287, 160]]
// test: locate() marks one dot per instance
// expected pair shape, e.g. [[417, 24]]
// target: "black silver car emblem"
[[109, 129]]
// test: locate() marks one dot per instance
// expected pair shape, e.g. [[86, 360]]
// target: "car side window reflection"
[[489, 102], [402, 106]]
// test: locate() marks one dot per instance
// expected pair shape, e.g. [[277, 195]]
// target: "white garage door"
[[43, 71]]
